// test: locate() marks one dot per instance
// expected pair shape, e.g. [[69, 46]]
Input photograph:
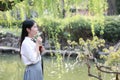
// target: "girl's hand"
[[41, 48], [39, 40]]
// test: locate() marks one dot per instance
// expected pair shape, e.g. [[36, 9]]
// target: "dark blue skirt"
[[33, 72]]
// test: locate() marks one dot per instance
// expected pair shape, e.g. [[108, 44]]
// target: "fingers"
[[39, 40]]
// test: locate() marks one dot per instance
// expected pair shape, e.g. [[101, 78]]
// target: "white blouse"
[[28, 53]]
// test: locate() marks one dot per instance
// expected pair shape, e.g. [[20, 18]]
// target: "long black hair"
[[26, 24]]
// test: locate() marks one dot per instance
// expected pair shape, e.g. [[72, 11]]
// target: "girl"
[[30, 53]]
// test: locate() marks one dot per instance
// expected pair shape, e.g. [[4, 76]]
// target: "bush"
[[111, 29], [75, 27]]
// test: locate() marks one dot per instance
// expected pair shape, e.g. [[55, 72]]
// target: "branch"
[[100, 68], [89, 73]]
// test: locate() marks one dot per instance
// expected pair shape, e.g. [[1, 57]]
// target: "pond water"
[[11, 68]]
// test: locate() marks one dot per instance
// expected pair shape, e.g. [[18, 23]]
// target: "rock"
[[9, 50], [9, 40], [9, 34], [117, 46]]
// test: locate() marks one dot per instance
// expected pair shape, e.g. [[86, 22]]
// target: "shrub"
[[75, 27]]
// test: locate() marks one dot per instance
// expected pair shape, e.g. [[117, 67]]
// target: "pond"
[[11, 68]]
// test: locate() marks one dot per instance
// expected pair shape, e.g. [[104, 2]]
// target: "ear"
[[28, 30]]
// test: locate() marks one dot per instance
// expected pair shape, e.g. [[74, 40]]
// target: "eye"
[[35, 26]]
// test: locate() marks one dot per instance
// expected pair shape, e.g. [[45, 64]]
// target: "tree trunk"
[[63, 10], [112, 10]]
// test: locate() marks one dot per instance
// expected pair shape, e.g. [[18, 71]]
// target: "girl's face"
[[33, 31]]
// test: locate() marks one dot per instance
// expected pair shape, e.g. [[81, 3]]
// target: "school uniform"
[[31, 59]]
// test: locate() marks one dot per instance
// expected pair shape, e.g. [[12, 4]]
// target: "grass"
[[14, 30], [11, 68]]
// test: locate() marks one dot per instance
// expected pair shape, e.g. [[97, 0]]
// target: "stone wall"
[[9, 40]]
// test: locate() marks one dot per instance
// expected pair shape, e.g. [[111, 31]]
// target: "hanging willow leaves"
[[97, 9]]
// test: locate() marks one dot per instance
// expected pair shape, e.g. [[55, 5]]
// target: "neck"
[[30, 36]]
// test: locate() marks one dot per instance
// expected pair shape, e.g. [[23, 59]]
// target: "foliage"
[[56, 27], [97, 10], [112, 28], [118, 6], [86, 52], [15, 31], [75, 27], [87, 48], [30, 9], [113, 58], [38, 8]]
